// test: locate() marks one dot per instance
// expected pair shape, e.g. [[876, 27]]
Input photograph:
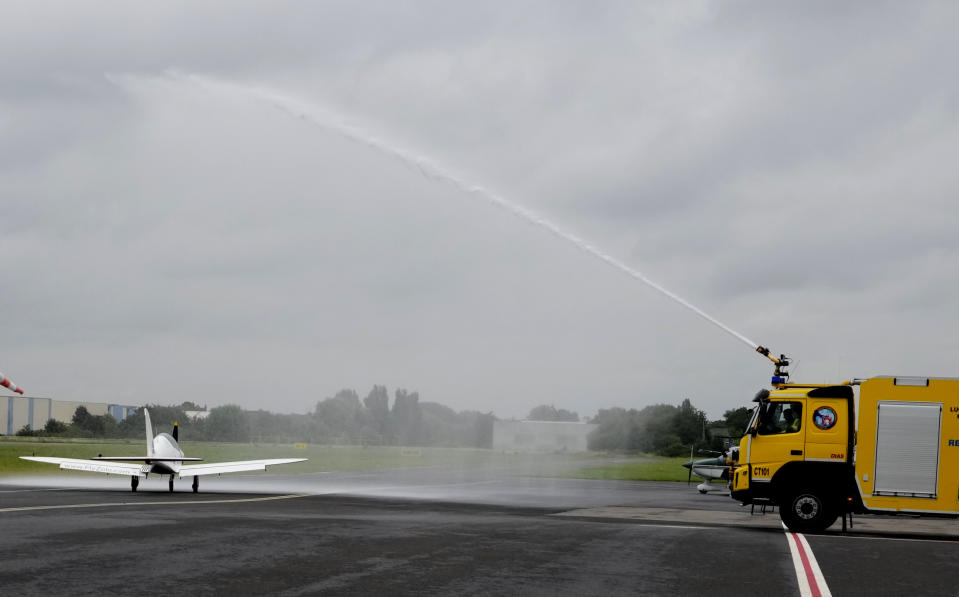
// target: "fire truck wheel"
[[806, 510]]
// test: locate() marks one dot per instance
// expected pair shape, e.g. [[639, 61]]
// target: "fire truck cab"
[[806, 451]]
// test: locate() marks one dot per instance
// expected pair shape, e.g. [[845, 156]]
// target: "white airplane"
[[164, 457]]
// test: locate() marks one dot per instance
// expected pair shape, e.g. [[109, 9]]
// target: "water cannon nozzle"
[[765, 352], [780, 375]]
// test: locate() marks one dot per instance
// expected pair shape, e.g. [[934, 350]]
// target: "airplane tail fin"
[[176, 431], [146, 416]]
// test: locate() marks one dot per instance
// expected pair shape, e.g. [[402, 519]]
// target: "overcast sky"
[[220, 203]]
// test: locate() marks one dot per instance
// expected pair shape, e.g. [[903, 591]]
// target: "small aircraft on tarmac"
[[164, 457], [710, 468]]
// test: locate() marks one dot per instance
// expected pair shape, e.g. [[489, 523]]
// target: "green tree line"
[[345, 418], [341, 419], [665, 429]]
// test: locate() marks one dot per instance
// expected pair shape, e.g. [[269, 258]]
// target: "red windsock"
[[8, 383]]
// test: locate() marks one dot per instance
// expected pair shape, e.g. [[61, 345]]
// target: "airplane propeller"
[[176, 431]]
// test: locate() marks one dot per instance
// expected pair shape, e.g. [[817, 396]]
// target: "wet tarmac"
[[434, 532]]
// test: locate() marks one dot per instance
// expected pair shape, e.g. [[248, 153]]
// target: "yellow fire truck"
[[811, 451]]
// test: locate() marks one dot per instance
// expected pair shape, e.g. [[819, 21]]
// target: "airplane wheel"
[[134, 481], [171, 483], [704, 491], [196, 484]]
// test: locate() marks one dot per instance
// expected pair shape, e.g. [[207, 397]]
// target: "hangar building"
[[17, 411]]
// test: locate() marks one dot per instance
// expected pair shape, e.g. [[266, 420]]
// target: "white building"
[[17, 411], [541, 436]]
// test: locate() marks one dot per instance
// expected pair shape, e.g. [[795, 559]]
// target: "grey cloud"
[[785, 167]]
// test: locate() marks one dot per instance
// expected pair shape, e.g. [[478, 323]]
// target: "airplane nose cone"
[[688, 465]]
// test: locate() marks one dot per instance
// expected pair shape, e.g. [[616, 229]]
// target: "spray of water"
[[330, 121]]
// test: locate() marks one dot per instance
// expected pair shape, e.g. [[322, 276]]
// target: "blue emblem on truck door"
[[824, 417]]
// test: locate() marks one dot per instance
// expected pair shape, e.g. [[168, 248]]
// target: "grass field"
[[653, 468], [321, 458], [351, 458]]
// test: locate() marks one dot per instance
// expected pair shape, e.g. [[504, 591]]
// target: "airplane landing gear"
[[196, 484], [134, 481], [171, 483]]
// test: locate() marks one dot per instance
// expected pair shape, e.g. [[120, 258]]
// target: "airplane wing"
[[91, 466], [147, 459], [219, 468], [711, 471]]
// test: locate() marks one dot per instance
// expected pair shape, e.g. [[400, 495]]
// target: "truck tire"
[[807, 510]]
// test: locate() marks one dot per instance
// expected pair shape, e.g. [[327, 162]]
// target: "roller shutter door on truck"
[[907, 449]]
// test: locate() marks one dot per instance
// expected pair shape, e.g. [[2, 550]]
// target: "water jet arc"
[[327, 120]]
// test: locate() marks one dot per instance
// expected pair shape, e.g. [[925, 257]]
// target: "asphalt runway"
[[436, 532]]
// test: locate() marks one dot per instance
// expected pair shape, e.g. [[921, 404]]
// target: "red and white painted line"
[[811, 581]]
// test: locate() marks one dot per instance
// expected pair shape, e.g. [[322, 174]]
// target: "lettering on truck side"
[[954, 443], [760, 471]]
